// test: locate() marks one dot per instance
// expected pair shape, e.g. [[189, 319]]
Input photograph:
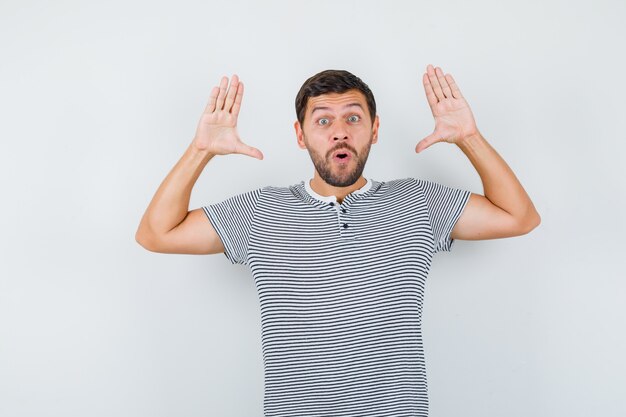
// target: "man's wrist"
[[202, 153], [471, 141]]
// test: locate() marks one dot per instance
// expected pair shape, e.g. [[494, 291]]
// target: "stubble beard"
[[342, 177]]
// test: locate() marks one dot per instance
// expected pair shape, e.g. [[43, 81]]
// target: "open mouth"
[[342, 156]]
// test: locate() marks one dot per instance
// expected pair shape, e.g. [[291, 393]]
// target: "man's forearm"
[[500, 184], [170, 203]]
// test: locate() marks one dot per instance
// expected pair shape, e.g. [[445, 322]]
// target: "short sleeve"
[[232, 220], [445, 205]]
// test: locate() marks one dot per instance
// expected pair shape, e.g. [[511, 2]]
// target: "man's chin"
[[342, 181]]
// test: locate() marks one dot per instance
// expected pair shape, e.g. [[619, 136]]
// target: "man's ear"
[[375, 129], [299, 135]]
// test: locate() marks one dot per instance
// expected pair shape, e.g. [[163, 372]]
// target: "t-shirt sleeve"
[[445, 205], [232, 220]]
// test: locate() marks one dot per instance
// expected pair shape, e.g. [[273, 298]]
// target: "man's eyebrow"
[[328, 108]]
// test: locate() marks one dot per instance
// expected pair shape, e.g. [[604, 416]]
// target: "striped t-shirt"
[[341, 288]]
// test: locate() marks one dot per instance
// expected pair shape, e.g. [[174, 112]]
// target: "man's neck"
[[324, 189]]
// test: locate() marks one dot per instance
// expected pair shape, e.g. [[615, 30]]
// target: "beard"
[[340, 176]]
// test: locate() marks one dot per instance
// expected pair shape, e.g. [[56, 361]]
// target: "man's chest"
[[351, 237]]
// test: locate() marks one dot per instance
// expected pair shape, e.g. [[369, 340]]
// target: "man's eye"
[[354, 118], [323, 121]]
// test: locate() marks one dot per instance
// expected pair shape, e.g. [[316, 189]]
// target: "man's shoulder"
[[400, 184], [398, 189], [412, 182], [273, 188], [277, 192], [283, 189]]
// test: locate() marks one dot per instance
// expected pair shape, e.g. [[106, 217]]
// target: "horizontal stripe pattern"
[[341, 290]]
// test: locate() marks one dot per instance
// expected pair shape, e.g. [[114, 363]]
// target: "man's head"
[[337, 124], [332, 81]]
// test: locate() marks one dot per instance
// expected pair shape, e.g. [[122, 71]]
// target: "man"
[[340, 261]]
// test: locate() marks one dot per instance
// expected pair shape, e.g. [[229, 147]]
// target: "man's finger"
[[219, 105], [426, 142], [244, 149], [232, 90], [238, 98], [444, 84], [210, 107], [432, 77], [453, 86], [430, 93]]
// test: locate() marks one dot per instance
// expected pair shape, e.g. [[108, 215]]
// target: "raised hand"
[[217, 129], [454, 120]]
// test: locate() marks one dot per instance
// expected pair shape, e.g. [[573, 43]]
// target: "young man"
[[340, 261]]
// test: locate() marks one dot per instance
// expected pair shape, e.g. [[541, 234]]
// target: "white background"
[[99, 100]]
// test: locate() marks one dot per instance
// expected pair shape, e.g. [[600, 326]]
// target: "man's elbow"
[[529, 223], [146, 240]]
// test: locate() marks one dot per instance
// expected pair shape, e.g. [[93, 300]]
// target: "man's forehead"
[[337, 100]]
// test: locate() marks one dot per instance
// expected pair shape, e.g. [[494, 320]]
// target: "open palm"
[[217, 129], [454, 120]]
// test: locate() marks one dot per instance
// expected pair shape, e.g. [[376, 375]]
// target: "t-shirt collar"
[[332, 198]]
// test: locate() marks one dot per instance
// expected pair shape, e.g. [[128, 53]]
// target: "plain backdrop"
[[98, 101]]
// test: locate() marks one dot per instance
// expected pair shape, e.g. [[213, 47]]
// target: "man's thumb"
[[244, 149], [426, 142]]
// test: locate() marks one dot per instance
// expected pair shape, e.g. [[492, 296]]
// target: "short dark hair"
[[332, 81]]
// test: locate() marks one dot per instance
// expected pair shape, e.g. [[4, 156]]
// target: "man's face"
[[337, 131]]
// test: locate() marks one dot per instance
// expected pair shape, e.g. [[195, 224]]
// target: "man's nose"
[[340, 132]]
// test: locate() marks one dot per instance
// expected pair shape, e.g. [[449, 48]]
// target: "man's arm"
[[506, 209], [168, 226]]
